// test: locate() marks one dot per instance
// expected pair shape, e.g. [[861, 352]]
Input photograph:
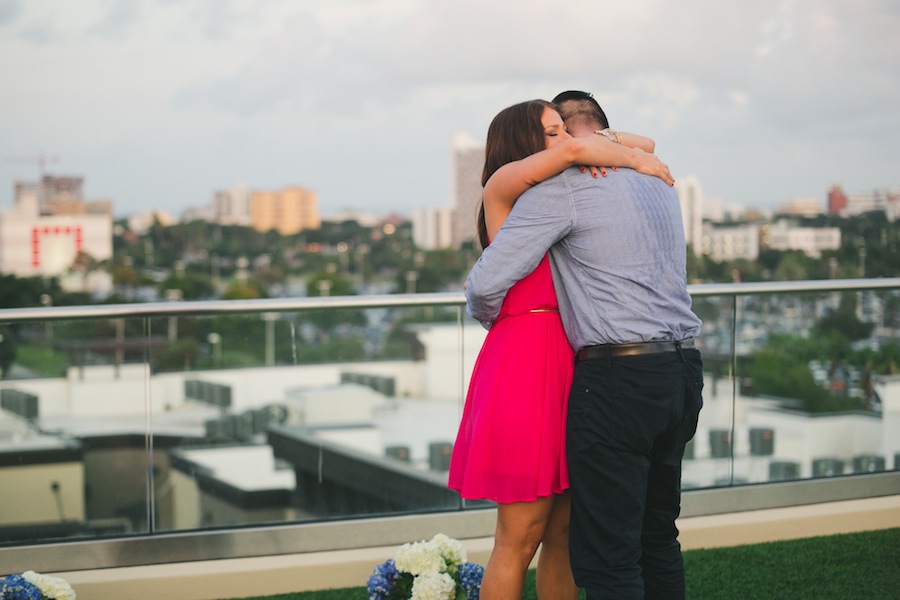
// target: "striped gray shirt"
[[618, 253]]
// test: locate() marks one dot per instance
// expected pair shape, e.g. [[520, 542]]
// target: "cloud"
[[834, 69], [777, 30], [9, 11], [279, 90], [117, 19]]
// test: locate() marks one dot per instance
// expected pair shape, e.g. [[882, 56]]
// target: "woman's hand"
[[596, 171], [650, 164]]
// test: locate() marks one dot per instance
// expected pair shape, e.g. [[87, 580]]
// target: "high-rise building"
[[730, 243], [864, 202], [801, 207], [27, 196], [140, 223], [848, 205], [783, 235], [691, 199], [837, 200], [232, 206], [363, 218], [714, 209], [432, 227], [287, 211], [51, 226], [468, 163], [57, 195]]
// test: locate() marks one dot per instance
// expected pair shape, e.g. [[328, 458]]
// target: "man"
[[618, 252], [581, 112]]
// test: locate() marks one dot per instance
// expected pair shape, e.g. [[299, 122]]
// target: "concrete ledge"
[[242, 578], [778, 524], [260, 576]]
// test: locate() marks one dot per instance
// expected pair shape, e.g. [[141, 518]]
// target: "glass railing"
[[249, 418], [801, 383]]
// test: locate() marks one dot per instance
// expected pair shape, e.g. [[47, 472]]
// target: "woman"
[[511, 441]]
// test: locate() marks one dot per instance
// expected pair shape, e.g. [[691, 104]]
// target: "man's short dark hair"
[[582, 106]]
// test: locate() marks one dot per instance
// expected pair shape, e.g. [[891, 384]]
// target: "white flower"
[[419, 557], [433, 586], [452, 550], [51, 587]]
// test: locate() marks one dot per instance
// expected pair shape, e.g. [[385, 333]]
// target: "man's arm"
[[541, 217]]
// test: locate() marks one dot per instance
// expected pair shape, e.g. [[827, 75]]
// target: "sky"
[[159, 103]]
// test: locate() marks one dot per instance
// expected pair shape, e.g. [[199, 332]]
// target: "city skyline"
[[158, 105]]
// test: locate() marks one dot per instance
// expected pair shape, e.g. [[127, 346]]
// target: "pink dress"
[[512, 439]]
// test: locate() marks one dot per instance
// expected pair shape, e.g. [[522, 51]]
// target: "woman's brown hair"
[[515, 133]]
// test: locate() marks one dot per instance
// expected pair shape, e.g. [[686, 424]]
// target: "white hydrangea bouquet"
[[35, 586], [436, 569]]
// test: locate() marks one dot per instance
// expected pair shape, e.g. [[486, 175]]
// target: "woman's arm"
[[633, 140], [511, 180]]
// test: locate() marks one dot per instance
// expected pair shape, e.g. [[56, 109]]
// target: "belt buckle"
[[686, 344]]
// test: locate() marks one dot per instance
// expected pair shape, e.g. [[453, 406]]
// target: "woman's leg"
[[554, 573], [520, 529]]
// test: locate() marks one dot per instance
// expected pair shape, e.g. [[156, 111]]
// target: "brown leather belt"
[[620, 350]]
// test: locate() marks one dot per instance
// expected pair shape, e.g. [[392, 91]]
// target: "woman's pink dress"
[[512, 439]]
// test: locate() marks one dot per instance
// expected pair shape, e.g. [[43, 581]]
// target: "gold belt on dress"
[[533, 310]]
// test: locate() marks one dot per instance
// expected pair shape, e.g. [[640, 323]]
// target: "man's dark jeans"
[[628, 423]]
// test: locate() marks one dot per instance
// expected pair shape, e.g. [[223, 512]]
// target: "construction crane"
[[42, 160]]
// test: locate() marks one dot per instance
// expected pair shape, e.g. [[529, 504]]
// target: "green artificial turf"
[[858, 565]]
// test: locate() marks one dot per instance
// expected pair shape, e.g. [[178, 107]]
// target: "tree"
[[192, 286], [16, 292], [23, 292], [328, 284], [331, 284], [241, 291], [774, 373], [884, 361], [180, 356], [7, 349], [844, 321], [125, 275], [793, 266], [434, 270]]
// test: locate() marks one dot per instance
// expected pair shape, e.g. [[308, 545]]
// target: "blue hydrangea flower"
[[16, 587], [450, 577], [470, 575], [388, 570], [381, 582], [378, 587]]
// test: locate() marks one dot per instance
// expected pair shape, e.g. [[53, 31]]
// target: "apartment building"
[[288, 211]]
